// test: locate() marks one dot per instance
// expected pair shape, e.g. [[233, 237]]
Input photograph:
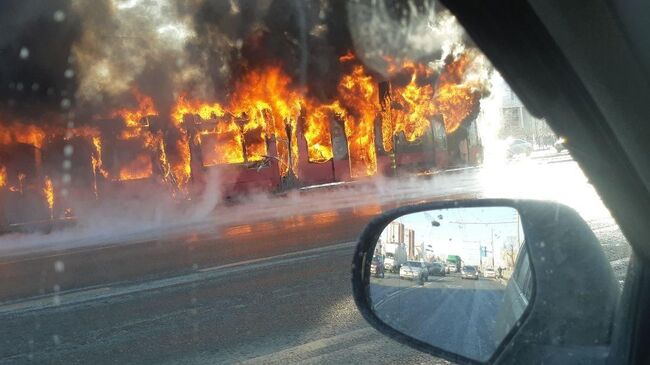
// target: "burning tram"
[[267, 137]]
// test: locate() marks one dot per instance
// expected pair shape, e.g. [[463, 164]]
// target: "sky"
[[463, 230]]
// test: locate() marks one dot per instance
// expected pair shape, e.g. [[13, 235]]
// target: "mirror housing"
[[570, 314]]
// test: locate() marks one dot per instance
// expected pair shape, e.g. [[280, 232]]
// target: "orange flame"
[[135, 120], [138, 168], [454, 99], [3, 176], [264, 98], [132, 117], [225, 143], [48, 191], [359, 95], [317, 132], [408, 108], [22, 133], [96, 158]]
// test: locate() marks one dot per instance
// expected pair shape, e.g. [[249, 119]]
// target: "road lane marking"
[[285, 255], [78, 296], [392, 295]]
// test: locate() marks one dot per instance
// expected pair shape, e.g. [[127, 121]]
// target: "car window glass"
[[185, 182]]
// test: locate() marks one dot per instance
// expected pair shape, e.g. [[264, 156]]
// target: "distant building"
[[394, 233], [410, 236], [519, 123]]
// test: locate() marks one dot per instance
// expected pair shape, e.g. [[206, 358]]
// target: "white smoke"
[[418, 34]]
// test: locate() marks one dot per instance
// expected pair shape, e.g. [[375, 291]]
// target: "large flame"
[[358, 93], [136, 128], [316, 131], [271, 107], [222, 144], [22, 133], [408, 109], [265, 104], [454, 99]]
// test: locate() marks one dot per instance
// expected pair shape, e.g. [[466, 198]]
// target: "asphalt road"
[[269, 290], [458, 315]]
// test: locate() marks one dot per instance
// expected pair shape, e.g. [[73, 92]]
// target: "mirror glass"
[[458, 279]]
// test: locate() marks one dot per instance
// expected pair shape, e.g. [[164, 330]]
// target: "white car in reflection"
[[489, 273], [414, 270], [469, 272]]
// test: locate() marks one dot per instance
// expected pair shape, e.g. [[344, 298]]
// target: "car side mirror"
[[545, 288]]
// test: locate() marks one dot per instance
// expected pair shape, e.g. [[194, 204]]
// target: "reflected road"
[[455, 314]]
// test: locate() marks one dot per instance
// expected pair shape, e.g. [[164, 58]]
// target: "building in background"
[[410, 237], [394, 233], [519, 123]]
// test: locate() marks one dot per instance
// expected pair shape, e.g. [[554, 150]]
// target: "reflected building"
[[410, 237], [394, 233]]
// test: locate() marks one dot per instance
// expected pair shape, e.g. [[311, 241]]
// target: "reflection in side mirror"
[[460, 283]]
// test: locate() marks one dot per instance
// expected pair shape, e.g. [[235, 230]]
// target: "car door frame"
[[545, 74]]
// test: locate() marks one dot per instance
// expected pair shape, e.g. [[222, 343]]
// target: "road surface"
[[272, 286], [438, 311]]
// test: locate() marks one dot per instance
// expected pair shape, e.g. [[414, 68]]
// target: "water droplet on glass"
[[69, 73], [35, 86], [59, 266], [67, 164], [542, 244], [65, 103], [66, 178], [70, 124], [59, 16], [68, 150], [64, 192], [56, 300], [24, 53], [19, 86], [56, 339], [56, 288]]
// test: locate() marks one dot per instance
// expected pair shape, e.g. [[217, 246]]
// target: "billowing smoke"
[[415, 30], [96, 52]]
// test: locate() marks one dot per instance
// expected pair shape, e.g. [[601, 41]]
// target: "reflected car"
[[414, 270], [438, 269], [489, 273], [469, 272], [377, 267]]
